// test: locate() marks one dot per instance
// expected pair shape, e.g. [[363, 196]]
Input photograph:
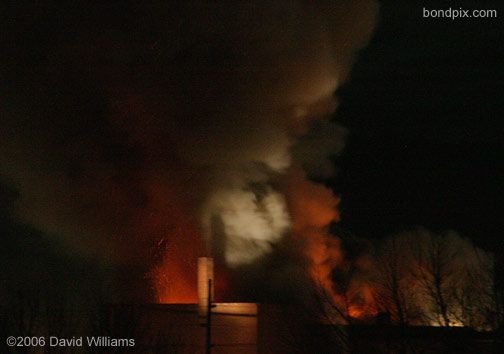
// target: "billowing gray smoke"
[[130, 131]]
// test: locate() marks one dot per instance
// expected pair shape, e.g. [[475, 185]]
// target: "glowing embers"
[[174, 278], [175, 282]]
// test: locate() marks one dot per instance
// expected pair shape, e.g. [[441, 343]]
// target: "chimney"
[[205, 273]]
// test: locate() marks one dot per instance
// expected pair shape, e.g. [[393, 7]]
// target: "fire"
[[313, 208], [175, 277], [362, 303], [174, 284], [180, 245], [356, 312]]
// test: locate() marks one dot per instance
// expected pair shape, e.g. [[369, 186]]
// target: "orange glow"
[[180, 243], [363, 303], [174, 285], [355, 312], [175, 278], [170, 217], [313, 208]]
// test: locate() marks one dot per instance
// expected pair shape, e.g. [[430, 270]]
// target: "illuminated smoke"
[[314, 208], [152, 134], [250, 222]]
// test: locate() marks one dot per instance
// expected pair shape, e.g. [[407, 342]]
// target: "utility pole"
[[209, 319]]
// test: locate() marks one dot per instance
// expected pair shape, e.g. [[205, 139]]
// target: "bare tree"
[[390, 281], [334, 315], [436, 279], [424, 278], [476, 297], [435, 268]]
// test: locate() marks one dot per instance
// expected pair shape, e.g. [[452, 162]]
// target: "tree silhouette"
[[423, 278]]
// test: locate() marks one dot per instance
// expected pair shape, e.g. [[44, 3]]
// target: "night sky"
[[424, 112]]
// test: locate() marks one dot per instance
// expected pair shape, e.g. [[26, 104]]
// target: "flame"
[[356, 312], [174, 283], [180, 245], [363, 304], [313, 208]]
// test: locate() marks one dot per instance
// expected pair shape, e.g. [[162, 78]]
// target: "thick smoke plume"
[[152, 133]]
